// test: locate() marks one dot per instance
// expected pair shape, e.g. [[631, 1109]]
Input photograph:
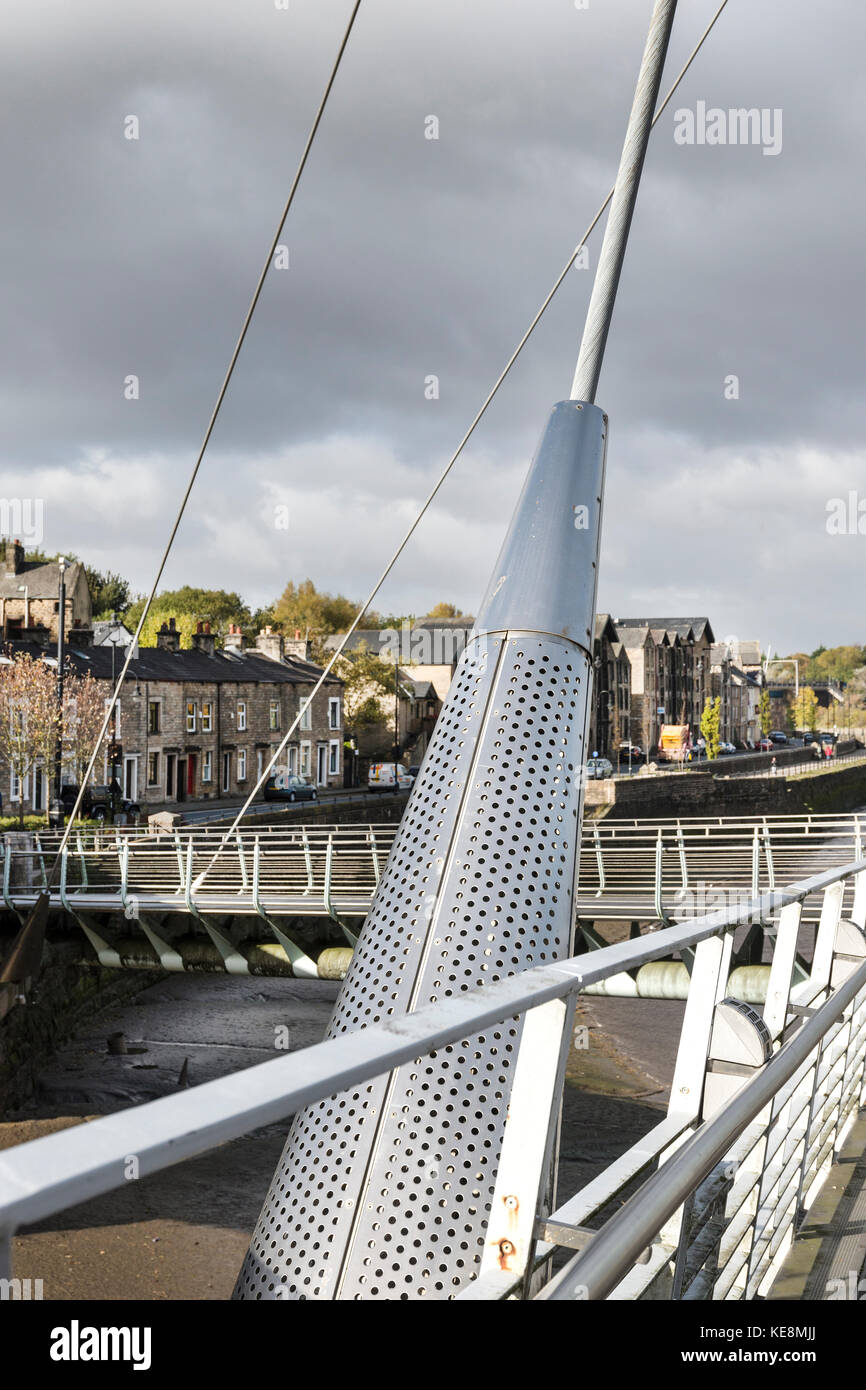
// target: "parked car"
[[101, 801], [725, 747], [766, 745], [597, 768], [634, 748], [382, 777], [287, 786], [778, 737], [414, 770]]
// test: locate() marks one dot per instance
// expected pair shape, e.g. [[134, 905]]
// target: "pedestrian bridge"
[[706, 1204], [302, 892]]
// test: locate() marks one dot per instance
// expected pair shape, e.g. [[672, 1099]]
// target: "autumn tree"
[[301, 607], [765, 713], [84, 703], [29, 717], [444, 610], [804, 709], [711, 720]]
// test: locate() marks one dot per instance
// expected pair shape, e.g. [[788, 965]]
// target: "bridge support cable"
[[545, 304], [480, 884], [212, 421]]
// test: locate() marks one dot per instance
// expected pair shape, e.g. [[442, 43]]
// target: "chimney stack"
[[298, 646], [14, 557], [168, 637], [270, 644], [234, 640], [203, 640]]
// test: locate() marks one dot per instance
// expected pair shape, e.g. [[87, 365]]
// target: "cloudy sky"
[[411, 257]]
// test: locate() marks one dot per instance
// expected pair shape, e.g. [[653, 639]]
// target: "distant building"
[[670, 673], [30, 597], [610, 715], [202, 723]]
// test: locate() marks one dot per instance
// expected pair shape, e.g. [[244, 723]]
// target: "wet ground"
[[183, 1233]]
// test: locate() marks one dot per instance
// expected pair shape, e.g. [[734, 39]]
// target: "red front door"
[[190, 774]]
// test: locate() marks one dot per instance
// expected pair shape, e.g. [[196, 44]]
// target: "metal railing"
[[758, 1106]]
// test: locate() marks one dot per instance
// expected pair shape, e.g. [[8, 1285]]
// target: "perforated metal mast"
[[424, 1180]]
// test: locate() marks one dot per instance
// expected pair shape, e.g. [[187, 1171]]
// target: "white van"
[[382, 776]]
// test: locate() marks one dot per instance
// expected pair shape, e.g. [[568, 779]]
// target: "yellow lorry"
[[674, 743]]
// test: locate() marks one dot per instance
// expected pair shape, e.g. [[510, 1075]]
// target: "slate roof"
[[682, 626], [187, 665], [41, 578]]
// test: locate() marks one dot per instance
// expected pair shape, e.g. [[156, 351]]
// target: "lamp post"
[[113, 748], [56, 817], [396, 719], [25, 590]]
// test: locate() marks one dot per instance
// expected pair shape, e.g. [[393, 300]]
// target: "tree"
[[804, 710], [302, 608], [367, 680], [84, 702], [765, 713], [109, 593], [444, 610], [188, 606], [29, 718], [711, 720]]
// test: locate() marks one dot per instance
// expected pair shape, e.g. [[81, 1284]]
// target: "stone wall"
[[670, 794]]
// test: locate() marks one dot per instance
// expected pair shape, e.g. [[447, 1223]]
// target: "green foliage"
[[39, 822], [804, 710], [765, 713], [823, 664], [368, 682], [37, 556], [302, 608], [444, 610], [188, 606], [109, 593], [711, 719]]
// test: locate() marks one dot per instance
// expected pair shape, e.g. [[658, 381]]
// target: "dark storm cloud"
[[412, 257]]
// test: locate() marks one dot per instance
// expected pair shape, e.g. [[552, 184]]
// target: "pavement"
[[200, 812]]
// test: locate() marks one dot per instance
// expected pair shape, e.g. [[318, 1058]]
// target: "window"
[[305, 759], [242, 715], [334, 712], [306, 716], [260, 762], [242, 764], [333, 757], [153, 716], [16, 792], [207, 766], [206, 717], [153, 769], [274, 715], [191, 712]]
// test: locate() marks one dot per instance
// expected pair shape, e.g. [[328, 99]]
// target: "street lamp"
[[56, 817], [396, 720], [25, 590]]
